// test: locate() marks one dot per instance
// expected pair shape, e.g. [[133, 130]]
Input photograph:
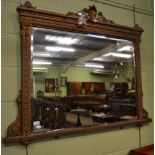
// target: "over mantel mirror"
[[80, 73]]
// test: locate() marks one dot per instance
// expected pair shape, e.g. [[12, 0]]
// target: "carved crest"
[[28, 5], [90, 14]]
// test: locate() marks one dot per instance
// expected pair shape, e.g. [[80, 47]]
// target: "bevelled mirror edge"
[[20, 131]]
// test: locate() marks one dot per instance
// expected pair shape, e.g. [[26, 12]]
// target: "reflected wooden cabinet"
[[74, 88], [121, 89], [88, 88], [85, 88], [99, 87]]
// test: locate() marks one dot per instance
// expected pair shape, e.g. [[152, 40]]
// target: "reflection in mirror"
[[80, 80]]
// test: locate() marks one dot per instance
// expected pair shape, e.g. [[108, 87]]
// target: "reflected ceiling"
[[73, 49]]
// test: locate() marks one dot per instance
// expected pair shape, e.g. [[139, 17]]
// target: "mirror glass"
[[80, 80]]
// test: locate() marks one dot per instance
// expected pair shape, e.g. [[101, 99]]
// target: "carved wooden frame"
[[20, 130]]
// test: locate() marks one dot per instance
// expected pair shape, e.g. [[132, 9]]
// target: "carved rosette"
[[26, 74], [15, 128]]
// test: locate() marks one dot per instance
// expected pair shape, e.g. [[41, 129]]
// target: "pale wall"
[[79, 74], [116, 142]]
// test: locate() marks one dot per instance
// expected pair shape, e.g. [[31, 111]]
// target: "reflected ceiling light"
[[57, 49], [31, 48], [104, 37], [67, 41], [107, 54], [121, 55], [62, 40], [41, 63], [96, 36], [37, 69], [50, 38], [98, 59], [42, 54], [93, 65], [126, 48], [32, 37], [119, 40]]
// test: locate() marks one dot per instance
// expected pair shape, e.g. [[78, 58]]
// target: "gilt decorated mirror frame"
[[20, 131]]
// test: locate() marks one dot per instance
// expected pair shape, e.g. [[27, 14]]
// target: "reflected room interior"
[[80, 80]]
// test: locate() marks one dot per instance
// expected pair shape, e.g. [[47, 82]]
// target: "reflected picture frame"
[[49, 85], [63, 81]]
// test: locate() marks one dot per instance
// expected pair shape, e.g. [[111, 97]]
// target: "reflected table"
[[104, 118], [79, 112], [102, 108], [88, 104], [128, 109]]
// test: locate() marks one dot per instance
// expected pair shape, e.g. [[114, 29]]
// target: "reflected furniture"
[[89, 102], [123, 106], [111, 118], [120, 90], [105, 118], [85, 88], [78, 112], [50, 112], [105, 108]]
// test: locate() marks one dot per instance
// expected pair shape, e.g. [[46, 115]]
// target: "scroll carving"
[[15, 128]]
